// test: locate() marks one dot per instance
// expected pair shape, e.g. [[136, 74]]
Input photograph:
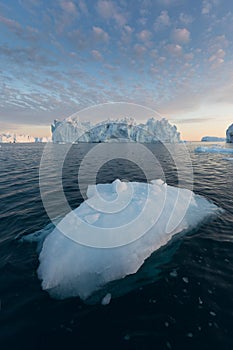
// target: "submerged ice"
[[69, 267]]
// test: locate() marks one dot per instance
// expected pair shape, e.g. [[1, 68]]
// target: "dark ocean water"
[[184, 296]]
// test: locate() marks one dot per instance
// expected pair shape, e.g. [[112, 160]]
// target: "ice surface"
[[68, 268], [216, 149], [72, 130], [106, 300]]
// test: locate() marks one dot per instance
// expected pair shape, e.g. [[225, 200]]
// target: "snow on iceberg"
[[216, 149], [68, 268], [72, 130]]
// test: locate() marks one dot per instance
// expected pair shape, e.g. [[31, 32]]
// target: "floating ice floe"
[[230, 159], [216, 149], [213, 139], [112, 233]]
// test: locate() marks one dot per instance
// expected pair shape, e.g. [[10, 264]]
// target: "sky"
[[173, 56]]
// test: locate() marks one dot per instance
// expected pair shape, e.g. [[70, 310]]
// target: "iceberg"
[[16, 138], [215, 149], [213, 139], [72, 130], [112, 233], [43, 139], [229, 134], [229, 159], [21, 138]]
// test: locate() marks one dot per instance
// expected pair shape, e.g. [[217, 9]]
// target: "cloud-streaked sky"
[[174, 56]]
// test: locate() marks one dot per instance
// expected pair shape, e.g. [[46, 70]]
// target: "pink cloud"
[[97, 55], [144, 35], [10, 23], [108, 10], [100, 34], [68, 6], [175, 49], [181, 35], [139, 49]]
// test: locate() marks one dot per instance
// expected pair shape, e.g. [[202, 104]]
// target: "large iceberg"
[[100, 242], [229, 134], [72, 130]]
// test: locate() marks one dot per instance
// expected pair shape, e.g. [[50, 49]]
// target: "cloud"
[[191, 120], [139, 49], [181, 36], [100, 34], [108, 10], [208, 5], [68, 6], [97, 55], [78, 39], [126, 35], [169, 3], [185, 18], [217, 59], [83, 7], [162, 21], [11, 24], [174, 49], [217, 42], [27, 55], [144, 35], [88, 40]]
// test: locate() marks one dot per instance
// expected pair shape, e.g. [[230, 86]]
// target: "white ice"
[[21, 138], [230, 159], [149, 216], [213, 139], [71, 130], [215, 149]]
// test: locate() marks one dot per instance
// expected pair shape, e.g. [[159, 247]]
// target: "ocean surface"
[[184, 296]]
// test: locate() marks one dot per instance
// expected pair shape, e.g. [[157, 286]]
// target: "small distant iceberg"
[[154, 213], [215, 149], [229, 134], [213, 139], [21, 138]]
